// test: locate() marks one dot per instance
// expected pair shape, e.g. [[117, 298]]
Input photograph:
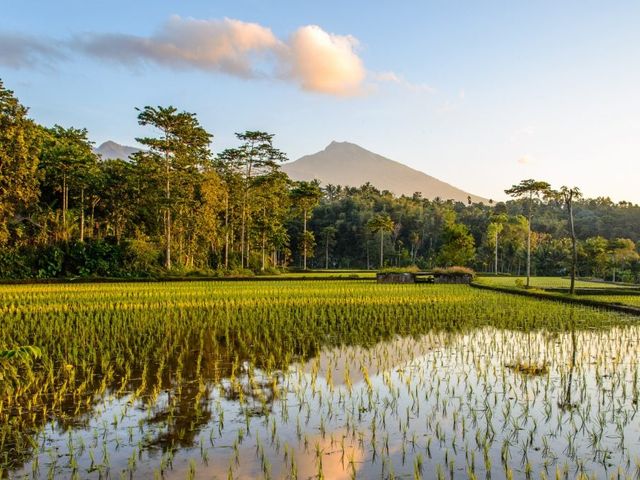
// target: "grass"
[[632, 300], [320, 379], [543, 282]]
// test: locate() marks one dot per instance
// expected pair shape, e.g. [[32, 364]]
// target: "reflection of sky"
[[438, 397]]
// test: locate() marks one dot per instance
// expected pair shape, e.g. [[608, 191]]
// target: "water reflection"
[[438, 405]]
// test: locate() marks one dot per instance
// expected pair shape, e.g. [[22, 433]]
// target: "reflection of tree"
[[566, 401], [183, 417], [255, 390], [172, 372]]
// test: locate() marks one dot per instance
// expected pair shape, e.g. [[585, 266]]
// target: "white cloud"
[[312, 58], [316, 60], [227, 45], [324, 62]]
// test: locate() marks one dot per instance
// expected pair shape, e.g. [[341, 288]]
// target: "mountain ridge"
[[113, 150], [348, 164]]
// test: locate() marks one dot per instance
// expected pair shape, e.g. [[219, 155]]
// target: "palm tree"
[[305, 196], [528, 189], [381, 223]]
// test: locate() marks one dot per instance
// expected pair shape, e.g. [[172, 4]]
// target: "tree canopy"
[[176, 207]]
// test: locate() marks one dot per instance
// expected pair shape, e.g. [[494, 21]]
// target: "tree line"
[[175, 207]]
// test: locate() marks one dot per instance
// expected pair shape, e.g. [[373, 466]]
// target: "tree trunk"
[[366, 242], [168, 213], [304, 240], [242, 239], [326, 253], [168, 239], [574, 247], [226, 233], [92, 218], [529, 244], [264, 259], [381, 249], [82, 215], [496, 254], [65, 204]]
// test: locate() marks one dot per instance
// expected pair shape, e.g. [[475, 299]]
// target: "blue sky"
[[479, 94]]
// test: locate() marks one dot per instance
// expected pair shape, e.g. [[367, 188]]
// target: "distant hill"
[[347, 164], [111, 149]]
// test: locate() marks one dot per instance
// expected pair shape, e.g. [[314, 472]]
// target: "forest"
[[176, 208]]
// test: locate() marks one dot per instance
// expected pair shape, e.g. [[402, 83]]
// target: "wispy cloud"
[[525, 159], [394, 78], [521, 135], [227, 45], [316, 60], [21, 51], [312, 58]]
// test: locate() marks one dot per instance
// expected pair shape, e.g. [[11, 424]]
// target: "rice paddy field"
[[633, 300], [323, 379], [546, 282]]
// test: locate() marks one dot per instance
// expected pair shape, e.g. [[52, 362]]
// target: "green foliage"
[[190, 365], [19, 149], [25, 352], [172, 204], [458, 246]]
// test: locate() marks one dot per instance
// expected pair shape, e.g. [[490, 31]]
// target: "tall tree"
[[271, 208], [70, 168], [19, 149], [305, 196], [530, 190], [567, 196], [175, 156], [118, 197], [493, 232], [381, 224], [255, 157], [329, 235]]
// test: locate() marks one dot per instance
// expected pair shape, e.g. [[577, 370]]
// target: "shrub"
[[14, 264], [142, 256], [409, 269], [454, 271]]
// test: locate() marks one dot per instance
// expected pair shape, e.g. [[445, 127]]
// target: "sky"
[[481, 94]]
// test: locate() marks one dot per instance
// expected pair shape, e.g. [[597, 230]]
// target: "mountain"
[[347, 164], [111, 149]]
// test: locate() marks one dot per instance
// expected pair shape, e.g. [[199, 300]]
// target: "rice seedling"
[[321, 379]]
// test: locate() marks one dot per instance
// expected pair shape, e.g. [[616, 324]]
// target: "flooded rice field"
[[314, 380]]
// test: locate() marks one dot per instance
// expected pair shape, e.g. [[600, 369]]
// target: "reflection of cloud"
[[335, 465], [19, 51], [346, 360]]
